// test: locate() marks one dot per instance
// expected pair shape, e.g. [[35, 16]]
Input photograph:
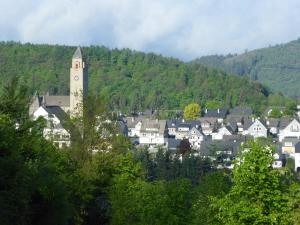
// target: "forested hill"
[[278, 66], [130, 80]]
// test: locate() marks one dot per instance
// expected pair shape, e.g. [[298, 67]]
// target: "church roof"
[[77, 54], [56, 100]]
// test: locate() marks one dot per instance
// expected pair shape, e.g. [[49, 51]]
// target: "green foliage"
[[258, 195], [276, 66], [128, 80], [212, 185], [275, 113], [192, 111], [140, 202], [32, 189], [214, 104], [291, 109]]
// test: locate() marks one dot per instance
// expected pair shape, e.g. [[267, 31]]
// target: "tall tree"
[[192, 111], [258, 195]]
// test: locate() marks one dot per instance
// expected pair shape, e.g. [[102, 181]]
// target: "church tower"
[[78, 83]]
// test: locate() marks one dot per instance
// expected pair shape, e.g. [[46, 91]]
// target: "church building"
[[55, 108]]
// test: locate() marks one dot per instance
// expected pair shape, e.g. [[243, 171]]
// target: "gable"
[[41, 111], [294, 126], [257, 125]]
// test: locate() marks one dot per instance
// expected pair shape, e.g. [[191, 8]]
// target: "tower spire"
[[77, 54]]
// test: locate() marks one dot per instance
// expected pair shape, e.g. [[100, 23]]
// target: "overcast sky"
[[185, 29]]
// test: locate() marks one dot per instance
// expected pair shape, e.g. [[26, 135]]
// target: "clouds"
[[181, 28]]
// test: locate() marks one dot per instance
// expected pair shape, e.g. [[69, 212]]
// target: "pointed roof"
[[77, 54]]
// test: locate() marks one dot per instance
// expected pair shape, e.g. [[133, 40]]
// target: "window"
[[294, 128], [288, 144]]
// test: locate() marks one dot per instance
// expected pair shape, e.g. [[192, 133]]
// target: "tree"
[[258, 195], [214, 184], [184, 147], [192, 111], [291, 108], [275, 113], [32, 185], [213, 104]]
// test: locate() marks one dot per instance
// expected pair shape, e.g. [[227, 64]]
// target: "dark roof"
[[208, 146], [247, 123], [77, 54], [58, 112], [56, 100], [272, 122], [284, 122], [245, 111], [180, 123], [173, 143], [232, 126], [215, 113], [172, 123]]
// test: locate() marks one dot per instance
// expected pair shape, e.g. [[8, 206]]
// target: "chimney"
[[206, 110], [218, 111]]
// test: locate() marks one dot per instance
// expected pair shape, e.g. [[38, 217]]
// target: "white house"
[[208, 125], [195, 138], [54, 130], [153, 132], [134, 126], [291, 130], [223, 131], [255, 128]]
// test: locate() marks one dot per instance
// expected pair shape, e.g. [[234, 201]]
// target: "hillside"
[[278, 66], [129, 80]]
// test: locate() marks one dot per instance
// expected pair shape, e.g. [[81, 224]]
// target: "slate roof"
[[173, 143], [284, 122], [172, 123], [179, 123], [221, 145], [232, 127], [132, 121], [77, 54], [248, 122], [197, 132], [245, 111], [56, 100], [58, 112], [159, 125], [273, 122], [215, 113]]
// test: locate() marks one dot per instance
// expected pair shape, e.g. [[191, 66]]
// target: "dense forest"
[[278, 67], [129, 80], [120, 185]]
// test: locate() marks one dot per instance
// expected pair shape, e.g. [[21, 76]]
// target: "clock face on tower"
[[76, 77]]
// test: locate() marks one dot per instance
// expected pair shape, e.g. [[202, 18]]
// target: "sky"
[[185, 29]]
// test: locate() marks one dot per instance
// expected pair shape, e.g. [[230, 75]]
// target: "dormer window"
[[294, 128]]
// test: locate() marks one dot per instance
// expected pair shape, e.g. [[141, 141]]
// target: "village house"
[[208, 125], [254, 127], [218, 114], [153, 133], [195, 138], [221, 132], [289, 129], [54, 130]]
